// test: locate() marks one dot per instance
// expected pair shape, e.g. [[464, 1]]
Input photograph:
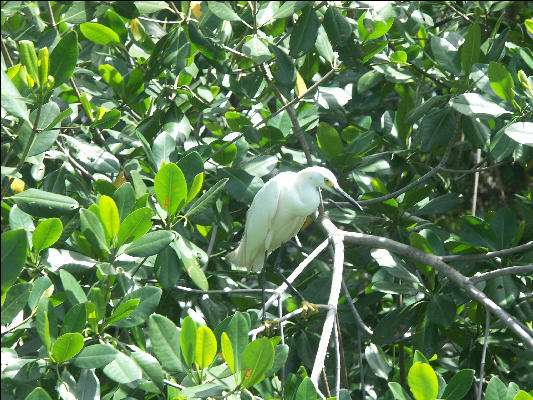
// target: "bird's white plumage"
[[277, 213]]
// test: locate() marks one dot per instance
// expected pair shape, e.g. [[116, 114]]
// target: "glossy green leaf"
[[123, 310], [441, 310], [470, 50], [257, 359], [149, 365], [422, 381], [14, 252], [134, 226], [95, 356], [123, 369], [306, 390], [227, 352], [475, 105], [149, 297], [206, 347], [459, 385], [501, 81], [188, 340], [165, 339], [67, 346], [223, 11], [496, 389], [39, 203], [398, 391], [108, 120], [188, 255], [168, 267], [304, 33], [46, 234], [329, 140], [41, 286], [46, 322], [75, 293], [503, 290], [170, 188], [150, 244], [373, 29], [288, 8], [377, 362], [226, 155], [63, 58], [92, 229], [207, 200], [337, 27], [75, 319], [109, 216], [12, 101], [99, 33], [28, 58], [15, 300], [38, 394], [125, 200], [521, 132]]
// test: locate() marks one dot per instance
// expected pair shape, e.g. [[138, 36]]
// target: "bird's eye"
[[328, 182]]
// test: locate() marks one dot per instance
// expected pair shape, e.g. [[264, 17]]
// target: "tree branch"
[[516, 270], [490, 254]]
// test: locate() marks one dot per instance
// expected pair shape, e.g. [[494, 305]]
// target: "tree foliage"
[[136, 134]]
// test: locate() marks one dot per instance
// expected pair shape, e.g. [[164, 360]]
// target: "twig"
[[483, 355], [361, 370], [324, 378], [6, 52], [221, 291], [282, 334], [490, 254], [357, 317], [336, 335], [469, 171], [336, 280], [476, 184], [437, 263], [169, 383], [139, 266], [423, 178], [77, 166], [516, 270], [344, 371], [297, 271]]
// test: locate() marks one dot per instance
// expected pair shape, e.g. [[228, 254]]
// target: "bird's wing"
[[259, 221]]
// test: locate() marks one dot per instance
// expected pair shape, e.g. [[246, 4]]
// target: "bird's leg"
[[309, 308], [263, 284]]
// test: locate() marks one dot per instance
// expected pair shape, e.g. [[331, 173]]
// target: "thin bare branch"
[[515, 270], [490, 254], [483, 355]]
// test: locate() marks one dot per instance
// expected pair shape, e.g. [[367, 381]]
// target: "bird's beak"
[[347, 197]]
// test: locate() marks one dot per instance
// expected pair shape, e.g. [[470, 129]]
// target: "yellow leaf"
[[121, 178], [196, 9], [300, 85]]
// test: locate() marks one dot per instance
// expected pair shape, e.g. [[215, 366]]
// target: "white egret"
[[278, 212]]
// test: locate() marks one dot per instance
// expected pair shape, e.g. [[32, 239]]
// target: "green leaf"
[[398, 391], [134, 226], [459, 385], [223, 11], [12, 101], [470, 50], [150, 367], [165, 339], [149, 297], [257, 358], [60, 117], [446, 52], [501, 81], [237, 330], [123, 369], [38, 394], [281, 353], [288, 8], [502, 290], [187, 253], [92, 229], [436, 129], [206, 347], [504, 225], [188, 340], [46, 322], [441, 204], [15, 300], [75, 319], [337, 27], [150, 244], [227, 352], [67, 346], [46, 234], [256, 50], [123, 311], [168, 268], [39, 203], [478, 232], [207, 200], [98, 33], [63, 58], [40, 286], [227, 155], [75, 293], [108, 120], [422, 381], [496, 389], [475, 105], [377, 361], [369, 30], [329, 140], [286, 73], [304, 33], [170, 188], [95, 356], [109, 216], [521, 132], [14, 252], [126, 9], [442, 310], [306, 390], [241, 185], [124, 198], [522, 395], [112, 77]]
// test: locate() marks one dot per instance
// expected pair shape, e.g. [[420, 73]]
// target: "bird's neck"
[[309, 197]]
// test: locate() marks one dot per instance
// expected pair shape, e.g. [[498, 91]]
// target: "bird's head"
[[324, 178]]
